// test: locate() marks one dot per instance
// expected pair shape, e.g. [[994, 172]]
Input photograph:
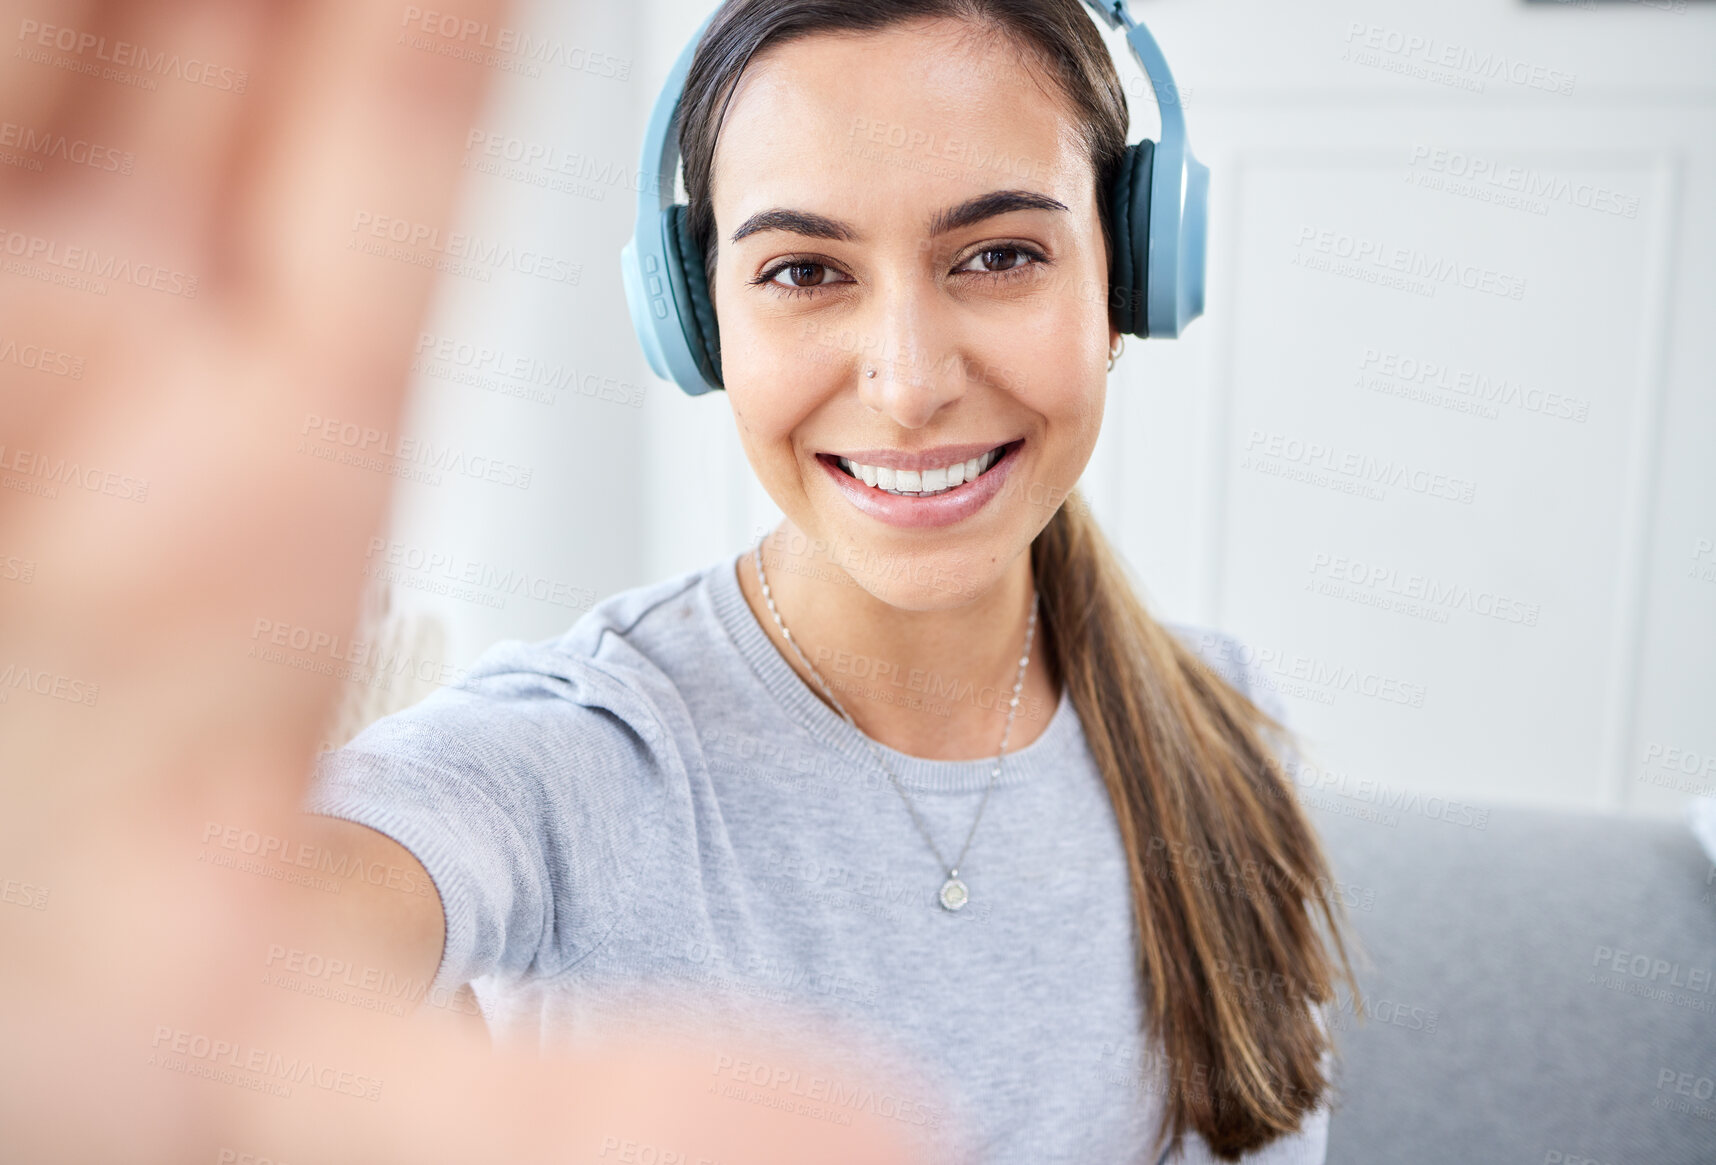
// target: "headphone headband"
[[1164, 223], [1179, 206]]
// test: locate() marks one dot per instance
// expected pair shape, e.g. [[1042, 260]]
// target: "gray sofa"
[[1540, 990]]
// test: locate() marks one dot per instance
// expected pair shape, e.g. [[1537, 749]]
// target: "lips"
[[943, 508], [934, 472]]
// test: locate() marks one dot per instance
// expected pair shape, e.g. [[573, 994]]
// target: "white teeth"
[[919, 483]]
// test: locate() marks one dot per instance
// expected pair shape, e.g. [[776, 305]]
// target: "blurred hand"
[[174, 239]]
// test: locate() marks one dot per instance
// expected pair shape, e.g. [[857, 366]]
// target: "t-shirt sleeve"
[[527, 797], [1231, 659]]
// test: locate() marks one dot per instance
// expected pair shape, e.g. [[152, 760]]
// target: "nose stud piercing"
[[870, 373]]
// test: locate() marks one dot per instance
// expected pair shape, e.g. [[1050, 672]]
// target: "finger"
[[34, 95], [239, 522], [203, 402], [121, 149], [169, 81], [367, 126]]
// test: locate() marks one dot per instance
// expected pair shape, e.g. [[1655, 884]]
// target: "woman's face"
[[916, 202]]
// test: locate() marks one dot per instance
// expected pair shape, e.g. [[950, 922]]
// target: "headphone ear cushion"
[[1130, 271], [1120, 227], [700, 330]]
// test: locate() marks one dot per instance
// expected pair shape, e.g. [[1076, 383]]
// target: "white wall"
[[1594, 524], [562, 352]]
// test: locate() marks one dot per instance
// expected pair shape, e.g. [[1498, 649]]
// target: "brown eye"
[[802, 277], [999, 260], [802, 274]]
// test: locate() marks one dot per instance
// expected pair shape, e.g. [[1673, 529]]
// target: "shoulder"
[[619, 657], [616, 656], [1235, 660], [1223, 652], [602, 691], [533, 789]]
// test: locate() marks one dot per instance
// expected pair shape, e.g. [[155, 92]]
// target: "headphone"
[[1159, 220]]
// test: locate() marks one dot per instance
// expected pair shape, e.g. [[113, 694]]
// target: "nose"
[[915, 352]]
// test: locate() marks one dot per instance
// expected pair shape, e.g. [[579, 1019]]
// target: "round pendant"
[[954, 894]]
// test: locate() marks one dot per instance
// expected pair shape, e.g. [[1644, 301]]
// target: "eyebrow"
[[972, 210]]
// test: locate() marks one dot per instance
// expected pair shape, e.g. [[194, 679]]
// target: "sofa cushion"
[[1539, 988]]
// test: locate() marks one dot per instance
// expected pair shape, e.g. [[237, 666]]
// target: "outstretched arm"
[[203, 310]]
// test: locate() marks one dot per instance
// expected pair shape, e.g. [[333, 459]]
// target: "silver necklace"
[[954, 893]]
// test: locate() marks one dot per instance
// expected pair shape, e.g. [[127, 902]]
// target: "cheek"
[[775, 377], [1057, 365], [768, 404]]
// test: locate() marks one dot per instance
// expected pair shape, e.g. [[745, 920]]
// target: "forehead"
[[897, 122]]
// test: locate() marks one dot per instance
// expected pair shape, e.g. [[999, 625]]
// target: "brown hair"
[[1189, 762]]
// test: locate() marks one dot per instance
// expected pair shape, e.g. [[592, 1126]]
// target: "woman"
[[918, 767]]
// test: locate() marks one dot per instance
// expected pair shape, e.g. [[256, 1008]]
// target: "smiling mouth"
[[927, 483]]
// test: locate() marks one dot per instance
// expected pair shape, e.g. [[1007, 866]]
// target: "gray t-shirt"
[[652, 817]]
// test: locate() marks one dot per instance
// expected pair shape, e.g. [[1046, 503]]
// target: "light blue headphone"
[[1160, 209]]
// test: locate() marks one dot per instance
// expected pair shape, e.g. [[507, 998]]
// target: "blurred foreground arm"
[[160, 923]]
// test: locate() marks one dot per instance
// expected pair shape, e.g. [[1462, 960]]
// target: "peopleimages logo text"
[[1434, 52], [126, 55], [101, 265], [528, 47], [1409, 263], [1523, 180], [175, 1048]]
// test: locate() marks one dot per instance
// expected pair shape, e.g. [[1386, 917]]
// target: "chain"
[[1012, 711]]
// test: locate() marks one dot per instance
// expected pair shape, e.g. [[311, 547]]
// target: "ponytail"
[[1225, 867]]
